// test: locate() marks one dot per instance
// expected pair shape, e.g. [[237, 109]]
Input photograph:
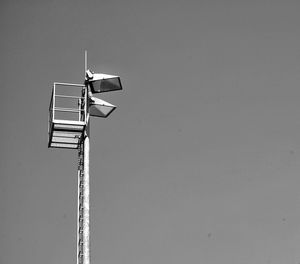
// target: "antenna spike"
[[85, 61]]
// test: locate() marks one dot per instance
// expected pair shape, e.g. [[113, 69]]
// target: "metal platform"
[[67, 115]]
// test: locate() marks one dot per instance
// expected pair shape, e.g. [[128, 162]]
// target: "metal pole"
[[86, 198], [86, 182], [80, 204]]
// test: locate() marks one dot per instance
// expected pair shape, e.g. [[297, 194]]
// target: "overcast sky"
[[199, 163]]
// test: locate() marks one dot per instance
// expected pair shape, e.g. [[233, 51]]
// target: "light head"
[[100, 82]]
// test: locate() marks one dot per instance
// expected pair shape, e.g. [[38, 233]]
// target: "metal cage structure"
[[67, 115]]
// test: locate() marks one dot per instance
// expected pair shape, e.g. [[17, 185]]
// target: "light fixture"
[[100, 108], [100, 82]]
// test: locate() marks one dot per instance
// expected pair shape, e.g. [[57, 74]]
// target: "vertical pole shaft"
[[86, 180], [86, 177], [86, 198], [80, 204], [78, 212]]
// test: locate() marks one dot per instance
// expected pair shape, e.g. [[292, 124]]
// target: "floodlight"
[[100, 108], [100, 82]]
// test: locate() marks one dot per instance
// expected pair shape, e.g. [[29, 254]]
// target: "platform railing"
[[67, 114], [65, 105]]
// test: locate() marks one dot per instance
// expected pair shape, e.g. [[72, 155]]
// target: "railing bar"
[[71, 108], [70, 84], [69, 96], [58, 108], [68, 110]]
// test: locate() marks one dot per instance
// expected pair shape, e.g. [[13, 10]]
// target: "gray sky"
[[200, 161]]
